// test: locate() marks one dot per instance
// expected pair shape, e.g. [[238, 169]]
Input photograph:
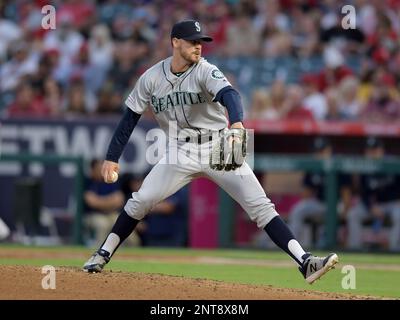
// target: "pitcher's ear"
[[174, 42]]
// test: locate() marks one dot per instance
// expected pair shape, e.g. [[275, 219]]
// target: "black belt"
[[199, 139]]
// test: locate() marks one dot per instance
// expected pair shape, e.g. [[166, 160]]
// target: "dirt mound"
[[25, 282]]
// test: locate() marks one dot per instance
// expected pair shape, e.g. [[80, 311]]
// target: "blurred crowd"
[[88, 64]]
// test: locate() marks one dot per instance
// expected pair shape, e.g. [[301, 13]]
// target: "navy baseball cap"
[[189, 30]]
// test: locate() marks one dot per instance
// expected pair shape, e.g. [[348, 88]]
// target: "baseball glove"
[[229, 151]]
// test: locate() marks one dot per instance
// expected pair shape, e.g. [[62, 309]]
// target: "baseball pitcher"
[[191, 95]]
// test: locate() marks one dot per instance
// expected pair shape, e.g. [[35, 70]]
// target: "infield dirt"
[[25, 282]]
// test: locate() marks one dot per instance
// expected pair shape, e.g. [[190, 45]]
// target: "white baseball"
[[114, 177]]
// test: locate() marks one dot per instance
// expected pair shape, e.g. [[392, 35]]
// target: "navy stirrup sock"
[[280, 234], [123, 227]]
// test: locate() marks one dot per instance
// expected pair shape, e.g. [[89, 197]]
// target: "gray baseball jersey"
[[188, 101]]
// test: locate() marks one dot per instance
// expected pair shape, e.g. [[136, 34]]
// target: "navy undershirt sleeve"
[[122, 134], [230, 99]]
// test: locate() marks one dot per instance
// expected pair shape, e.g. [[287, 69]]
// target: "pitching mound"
[[25, 282]]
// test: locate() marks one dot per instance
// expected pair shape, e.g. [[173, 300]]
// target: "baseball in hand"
[[114, 177]]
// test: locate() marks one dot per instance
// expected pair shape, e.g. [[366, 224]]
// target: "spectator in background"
[[102, 202], [314, 100], [76, 104], [142, 30], [128, 56], [278, 94], [29, 13], [334, 111], [334, 70], [275, 43], [108, 11], [379, 199], [384, 103], [46, 88], [274, 25], [242, 38], [9, 32], [216, 27], [101, 51], [367, 18], [271, 14], [382, 43], [347, 94], [21, 64], [52, 96], [67, 41], [27, 104], [109, 102], [261, 108], [304, 33], [312, 207], [82, 69], [293, 105], [52, 58], [93, 75], [81, 14], [79, 102], [365, 75], [44, 71]]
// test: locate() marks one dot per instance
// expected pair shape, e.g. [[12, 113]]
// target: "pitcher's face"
[[190, 50]]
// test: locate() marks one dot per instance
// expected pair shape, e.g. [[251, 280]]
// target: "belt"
[[199, 139]]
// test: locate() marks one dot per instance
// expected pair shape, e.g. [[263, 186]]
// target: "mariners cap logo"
[[189, 30]]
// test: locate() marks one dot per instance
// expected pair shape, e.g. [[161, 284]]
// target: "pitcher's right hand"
[[107, 170]]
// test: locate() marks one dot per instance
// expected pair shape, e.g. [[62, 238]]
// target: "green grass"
[[380, 282]]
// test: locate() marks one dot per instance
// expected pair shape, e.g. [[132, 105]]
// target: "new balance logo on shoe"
[[314, 267]]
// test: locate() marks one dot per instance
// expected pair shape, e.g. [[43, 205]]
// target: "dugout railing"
[[330, 167]]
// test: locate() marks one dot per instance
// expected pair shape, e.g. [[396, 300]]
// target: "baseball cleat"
[[97, 261], [315, 267]]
